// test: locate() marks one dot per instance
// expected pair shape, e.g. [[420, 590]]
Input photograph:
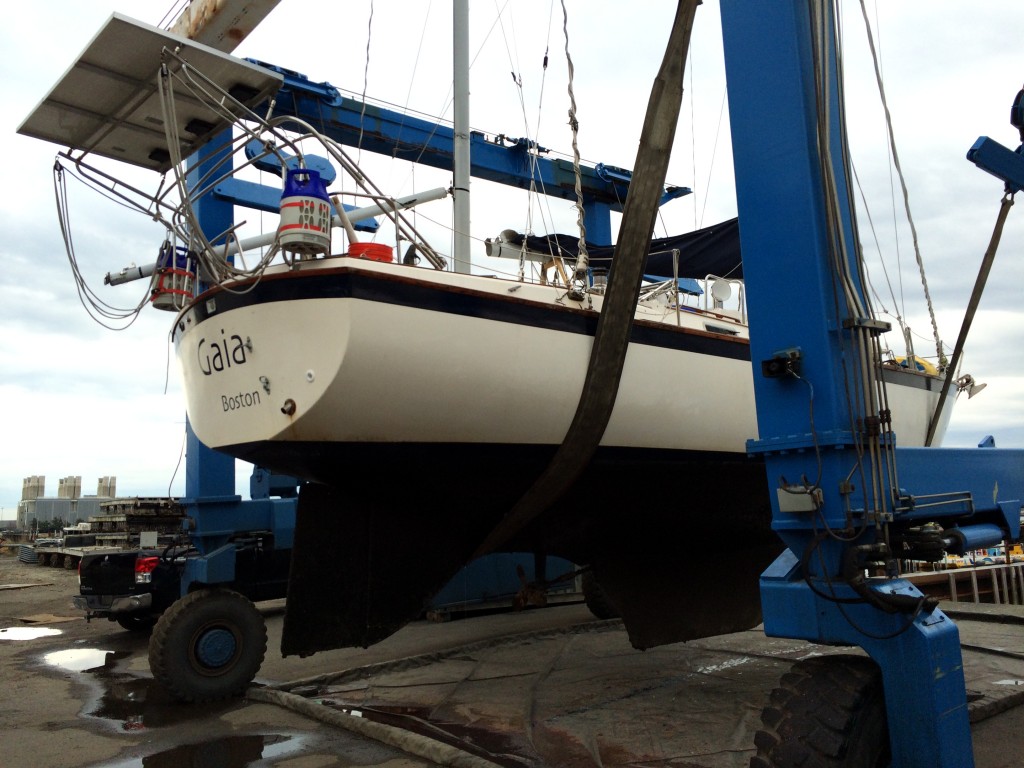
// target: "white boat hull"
[[356, 367]]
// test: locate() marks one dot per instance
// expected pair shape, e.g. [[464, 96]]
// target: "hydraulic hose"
[[853, 573]]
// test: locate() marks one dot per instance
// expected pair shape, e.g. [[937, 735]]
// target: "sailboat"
[[420, 405]]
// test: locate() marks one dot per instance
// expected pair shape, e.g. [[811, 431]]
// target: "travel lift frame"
[[781, 200], [781, 195], [791, 178]]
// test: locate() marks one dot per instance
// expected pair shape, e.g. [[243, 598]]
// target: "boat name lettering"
[[241, 400], [219, 354]]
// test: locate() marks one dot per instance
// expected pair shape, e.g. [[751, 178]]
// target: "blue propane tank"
[[174, 278], [305, 226]]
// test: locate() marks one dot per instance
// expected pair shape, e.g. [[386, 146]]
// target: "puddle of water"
[[228, 752], [135, 703], [127, 702], [27, 633], [84, 659]]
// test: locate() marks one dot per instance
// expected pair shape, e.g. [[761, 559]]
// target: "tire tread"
[[813, 717]]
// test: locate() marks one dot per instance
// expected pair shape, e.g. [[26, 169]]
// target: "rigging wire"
[[366, 80], [173, 13], [542, 200], [106, 315], [582, 260], [693, 134], [874, 236], [903, 185], [714, 151]]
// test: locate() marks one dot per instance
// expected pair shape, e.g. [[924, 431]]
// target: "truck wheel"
[[828, 711], [208, 645], [70, 562], [596, 599], [42, 559], [142, 623]]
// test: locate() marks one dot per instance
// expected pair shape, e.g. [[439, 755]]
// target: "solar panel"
[[108, 102]]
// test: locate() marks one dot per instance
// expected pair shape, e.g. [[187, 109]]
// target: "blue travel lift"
[[820, 452], [846, 499]]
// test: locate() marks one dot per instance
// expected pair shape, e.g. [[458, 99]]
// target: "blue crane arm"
[[992, 157], [513, 162]]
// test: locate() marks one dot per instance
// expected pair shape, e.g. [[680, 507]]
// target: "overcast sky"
[[84, 400]]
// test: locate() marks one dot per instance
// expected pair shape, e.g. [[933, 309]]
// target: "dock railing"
[[999, 584]]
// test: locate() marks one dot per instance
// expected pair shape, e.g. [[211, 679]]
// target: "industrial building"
[[36, 509]]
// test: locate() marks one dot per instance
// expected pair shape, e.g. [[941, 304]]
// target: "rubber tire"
[[70, 563], [828, 711], [141, 623], [174, 656], [596, 599]]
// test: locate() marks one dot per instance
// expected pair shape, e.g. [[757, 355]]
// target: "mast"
[[460, 67]]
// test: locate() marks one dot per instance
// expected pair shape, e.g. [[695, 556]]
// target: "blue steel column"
[[793, 305], [210, 475]]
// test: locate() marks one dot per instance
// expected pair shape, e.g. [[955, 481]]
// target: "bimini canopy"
[[714, 250]]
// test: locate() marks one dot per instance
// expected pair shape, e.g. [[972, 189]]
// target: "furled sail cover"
[[714, 250]]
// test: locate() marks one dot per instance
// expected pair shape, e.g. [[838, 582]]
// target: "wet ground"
[[77, 694], [546, 687]]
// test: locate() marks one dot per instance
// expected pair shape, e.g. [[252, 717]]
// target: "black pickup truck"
[[206, 645], [132, 588], [135, 587]]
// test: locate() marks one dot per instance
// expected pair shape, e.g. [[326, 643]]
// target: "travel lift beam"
[[517, 162], [846, 498]]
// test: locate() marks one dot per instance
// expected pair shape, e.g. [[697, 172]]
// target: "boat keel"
[[360, 570], [368, 556]]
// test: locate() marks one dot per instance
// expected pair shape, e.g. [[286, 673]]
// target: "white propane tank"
[[305, 226]]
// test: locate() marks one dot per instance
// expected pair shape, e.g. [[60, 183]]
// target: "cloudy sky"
[[85, 400]]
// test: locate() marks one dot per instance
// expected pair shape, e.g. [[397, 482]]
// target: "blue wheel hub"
[[215, 648]]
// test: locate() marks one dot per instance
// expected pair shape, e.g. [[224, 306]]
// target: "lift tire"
[[208, 646], [828, 711], [135, 622], [596, 599]]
